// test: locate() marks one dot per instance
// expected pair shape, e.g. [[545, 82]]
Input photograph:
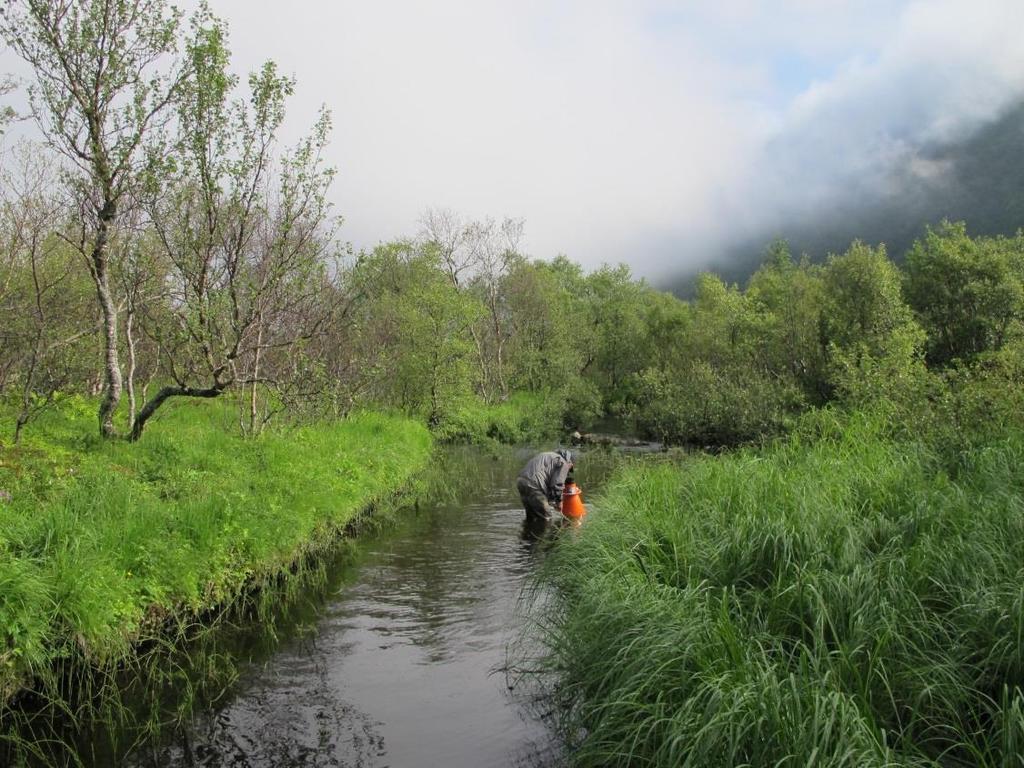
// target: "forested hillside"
[[975, 179]]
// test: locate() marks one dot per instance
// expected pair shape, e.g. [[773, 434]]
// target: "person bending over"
[[541, 482]]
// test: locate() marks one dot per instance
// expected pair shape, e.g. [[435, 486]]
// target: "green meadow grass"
[[101, 543], [838, 600]]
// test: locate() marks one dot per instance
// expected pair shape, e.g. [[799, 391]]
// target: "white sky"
[[649, 131]]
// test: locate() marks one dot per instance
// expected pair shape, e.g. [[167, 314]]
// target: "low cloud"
[[947, 69], [658, 132], [576, 116]]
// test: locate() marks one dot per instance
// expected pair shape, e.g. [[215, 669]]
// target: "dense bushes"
[[705, 406], [967, 291]]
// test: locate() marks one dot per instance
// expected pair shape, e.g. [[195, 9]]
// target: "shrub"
[[707, 406]]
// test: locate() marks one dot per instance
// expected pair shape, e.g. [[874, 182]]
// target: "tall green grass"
[[104, 543], [838, 601]]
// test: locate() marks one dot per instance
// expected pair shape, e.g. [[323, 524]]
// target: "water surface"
[[403, 664]]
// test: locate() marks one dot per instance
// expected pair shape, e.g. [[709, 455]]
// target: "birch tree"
[[477, 256], [105, 75], [246, 233]]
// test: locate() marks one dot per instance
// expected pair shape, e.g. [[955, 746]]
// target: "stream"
[[400, 659]]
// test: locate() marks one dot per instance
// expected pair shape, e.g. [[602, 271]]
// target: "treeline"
[[161, 243], [732, 365], [934, 337]]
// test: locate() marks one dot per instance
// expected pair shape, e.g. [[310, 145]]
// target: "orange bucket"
[[572, 502]]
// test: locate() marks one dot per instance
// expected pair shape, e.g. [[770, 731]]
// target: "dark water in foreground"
[[403, 666], [403, 663]]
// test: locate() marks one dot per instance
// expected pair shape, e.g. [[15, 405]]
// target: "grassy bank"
[[837, 600], [102, 542], [524, 417]]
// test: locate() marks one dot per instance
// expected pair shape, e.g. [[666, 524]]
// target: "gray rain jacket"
[[546, 473]]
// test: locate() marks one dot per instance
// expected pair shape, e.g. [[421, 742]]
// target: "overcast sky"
[[648, 132]]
